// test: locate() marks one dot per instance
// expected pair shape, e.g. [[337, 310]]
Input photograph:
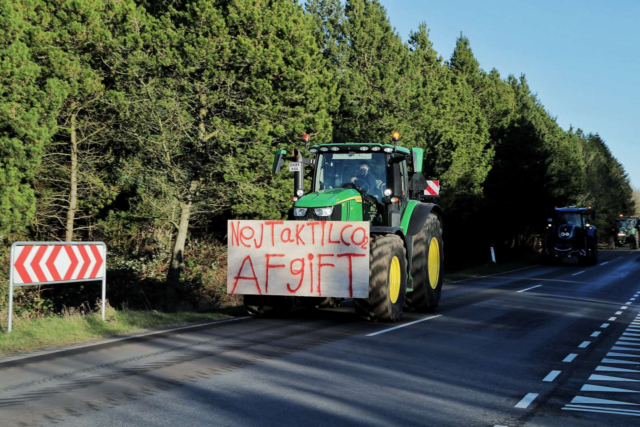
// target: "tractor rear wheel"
[[268, 306], [387, 280], [427, 267]]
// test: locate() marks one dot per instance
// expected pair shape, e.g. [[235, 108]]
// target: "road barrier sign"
[[37, 263], [433, 188]]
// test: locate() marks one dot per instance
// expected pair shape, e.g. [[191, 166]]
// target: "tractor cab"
[[356, 182]]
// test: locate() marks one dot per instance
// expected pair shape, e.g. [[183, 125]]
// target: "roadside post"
[[37, 263]]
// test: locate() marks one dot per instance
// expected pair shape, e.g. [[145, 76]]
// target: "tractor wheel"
[[268, 306], [427, 267], [387, 280], [636, 241]]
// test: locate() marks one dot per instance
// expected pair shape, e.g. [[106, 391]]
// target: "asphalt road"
[[542, 346]]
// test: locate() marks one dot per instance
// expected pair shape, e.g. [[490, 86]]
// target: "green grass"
[[489, 269], [30, 335]]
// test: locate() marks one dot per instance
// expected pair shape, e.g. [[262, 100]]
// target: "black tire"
[[636, 241], [379, 306], [268, 306], [426, 296]]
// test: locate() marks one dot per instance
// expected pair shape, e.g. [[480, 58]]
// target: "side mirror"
[[278, 161], [417, 158]]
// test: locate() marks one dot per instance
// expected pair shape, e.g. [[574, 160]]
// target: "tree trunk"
[[73, 190], [177, 257]]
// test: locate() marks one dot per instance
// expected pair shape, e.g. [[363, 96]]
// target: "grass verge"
[[486, 270], [30, 335]]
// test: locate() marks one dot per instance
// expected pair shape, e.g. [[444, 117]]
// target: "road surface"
[[541, 346]]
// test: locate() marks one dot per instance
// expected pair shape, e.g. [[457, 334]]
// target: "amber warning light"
[[306, 137], [395, 136]]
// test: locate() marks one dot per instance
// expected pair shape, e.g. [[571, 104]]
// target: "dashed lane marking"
[[604, 325], [570, 357], [618, 312], [584, 344], [403, 326], [611, 319], [552, 376], [595, 334], [526, 401], [528, 289]]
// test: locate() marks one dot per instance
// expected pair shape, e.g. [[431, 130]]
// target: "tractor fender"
[[419, 217]]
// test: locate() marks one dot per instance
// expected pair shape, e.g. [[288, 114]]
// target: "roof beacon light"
[[395, 136], [306, 137]]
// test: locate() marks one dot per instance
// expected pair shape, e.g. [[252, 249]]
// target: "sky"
[[582, 58]]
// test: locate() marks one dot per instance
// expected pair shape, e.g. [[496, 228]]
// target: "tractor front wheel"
[[427, 267], [387, 280]]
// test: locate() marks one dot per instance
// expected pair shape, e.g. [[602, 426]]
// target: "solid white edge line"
[[528, 289], [552, 376], [526, 401], [402, 326], [109, 341]]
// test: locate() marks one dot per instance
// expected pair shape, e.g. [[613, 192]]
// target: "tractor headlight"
[[323, 211], [364, 148], [313, 150], [374, 148], [299, 211], [300, 193], [388, 150], [335, 148]]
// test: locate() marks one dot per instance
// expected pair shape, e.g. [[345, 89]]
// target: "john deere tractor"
[[384, 185], [569, 234], [626, 231]]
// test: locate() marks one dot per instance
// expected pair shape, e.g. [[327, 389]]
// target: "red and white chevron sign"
[[433, 188], [33, 264]]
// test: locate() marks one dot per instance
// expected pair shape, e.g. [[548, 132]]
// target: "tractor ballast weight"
[[570, 234], [382, 185]]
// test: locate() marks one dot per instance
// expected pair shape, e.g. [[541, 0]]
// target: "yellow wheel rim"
[[434, 263], [395, 276]]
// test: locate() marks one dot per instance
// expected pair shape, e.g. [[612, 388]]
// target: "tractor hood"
[[326, 198]]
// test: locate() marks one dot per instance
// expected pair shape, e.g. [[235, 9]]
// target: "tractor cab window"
[[365, 172], [567, 218], [621, 224]]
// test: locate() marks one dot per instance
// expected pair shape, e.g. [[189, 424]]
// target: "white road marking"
[[614, 354], [613, 369], [596, 377], [604, 325], [570, 357], [627, 303], [629, 334], [595, 334], [624, 348], [604, 263], [629, 339], [584, 344], [552, 376], [579, 272], [583, 399], [528, 289], [603, 410], [109, 341], [622, 362], [526, 401], [402, 326], [611, 319], [589, 387], [632, 299], [618, 313]]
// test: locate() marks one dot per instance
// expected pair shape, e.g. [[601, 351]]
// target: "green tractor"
[[627, 231], [381, 184]]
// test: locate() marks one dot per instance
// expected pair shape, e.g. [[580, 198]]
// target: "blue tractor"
[[571, 234]]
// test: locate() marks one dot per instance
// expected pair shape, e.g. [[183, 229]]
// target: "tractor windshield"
[[366, 172], [621, 224], [570, 218]]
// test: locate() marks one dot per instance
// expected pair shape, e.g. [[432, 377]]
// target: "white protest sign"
[[298, 258]]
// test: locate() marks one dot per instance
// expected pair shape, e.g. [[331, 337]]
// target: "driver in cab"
[[364, 176]]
